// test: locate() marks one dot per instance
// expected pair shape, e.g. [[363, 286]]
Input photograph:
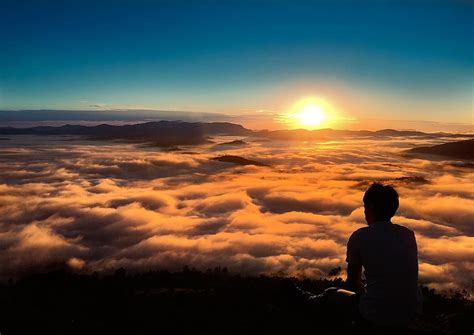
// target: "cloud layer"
[[97, 206]]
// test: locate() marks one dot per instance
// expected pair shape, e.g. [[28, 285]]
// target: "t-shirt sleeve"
[[353, 249]]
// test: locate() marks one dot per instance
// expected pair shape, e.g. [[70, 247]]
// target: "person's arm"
[[354, 278], [354, 263], [300, 296]]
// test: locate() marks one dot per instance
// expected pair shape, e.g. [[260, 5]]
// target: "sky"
[[371, 60]]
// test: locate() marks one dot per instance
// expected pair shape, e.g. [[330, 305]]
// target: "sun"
[[309, 113]]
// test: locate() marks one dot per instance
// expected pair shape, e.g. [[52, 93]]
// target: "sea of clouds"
[[102, 205]]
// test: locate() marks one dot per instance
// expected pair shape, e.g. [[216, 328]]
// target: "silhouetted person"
[[386, 254]]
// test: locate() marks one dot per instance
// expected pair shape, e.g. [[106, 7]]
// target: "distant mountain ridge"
[[180, 132], [133, 130], [161, 132], [328, 134]]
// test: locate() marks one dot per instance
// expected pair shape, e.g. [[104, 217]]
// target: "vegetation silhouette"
[[190, 302]]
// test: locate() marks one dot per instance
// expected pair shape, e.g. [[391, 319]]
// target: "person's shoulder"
[[403, 229], [359, 232]]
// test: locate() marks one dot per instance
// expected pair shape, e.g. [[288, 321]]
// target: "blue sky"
[[381, 59]]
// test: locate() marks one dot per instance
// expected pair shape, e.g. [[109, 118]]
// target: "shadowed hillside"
[[460, 150], [188, 302]]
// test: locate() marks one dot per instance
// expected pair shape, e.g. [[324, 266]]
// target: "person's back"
[[388, 254]]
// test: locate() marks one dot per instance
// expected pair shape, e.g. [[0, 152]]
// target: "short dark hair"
[[383, 199]]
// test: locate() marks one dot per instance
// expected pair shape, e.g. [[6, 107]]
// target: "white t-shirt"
[[388, 253]]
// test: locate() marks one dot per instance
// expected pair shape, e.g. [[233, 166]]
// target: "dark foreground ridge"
[[189, 302], [459, 150]]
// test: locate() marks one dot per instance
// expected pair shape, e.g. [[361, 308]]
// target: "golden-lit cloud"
[[94, 206]]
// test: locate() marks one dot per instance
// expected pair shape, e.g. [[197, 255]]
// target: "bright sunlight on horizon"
[[310, 113]]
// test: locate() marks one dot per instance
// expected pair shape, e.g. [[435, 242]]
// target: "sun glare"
[[309, 113]]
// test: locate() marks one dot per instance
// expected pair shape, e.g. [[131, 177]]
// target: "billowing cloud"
[[98, 205]]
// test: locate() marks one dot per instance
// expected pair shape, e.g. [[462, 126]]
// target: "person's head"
[[380, 203]]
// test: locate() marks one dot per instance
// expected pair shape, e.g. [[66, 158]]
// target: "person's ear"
[[369, 213]]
